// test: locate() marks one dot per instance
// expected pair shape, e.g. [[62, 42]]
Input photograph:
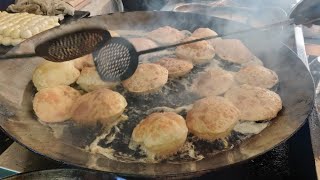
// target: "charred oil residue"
[[227, 65], [174, 95]]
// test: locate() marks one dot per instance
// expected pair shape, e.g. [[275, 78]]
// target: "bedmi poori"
[[147, 78], [142, 43], [198, 52], [215, 81], [176, 67], [256, 75], [212, 118], [234, 51], [184, 105], [54, 104], [100, 106], [51, 74], [255, 103], [166, 35], [89, 80], [205, 32], [161, 134]]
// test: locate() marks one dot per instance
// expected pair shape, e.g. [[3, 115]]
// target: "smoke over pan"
[[296, 90]]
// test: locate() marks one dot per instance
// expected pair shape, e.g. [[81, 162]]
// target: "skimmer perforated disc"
[[116, 60], [72, 45]]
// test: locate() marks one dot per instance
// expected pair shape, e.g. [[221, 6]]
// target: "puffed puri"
[[212, 118], [53, 105], [102, 106], [51, 74], [161, 134]]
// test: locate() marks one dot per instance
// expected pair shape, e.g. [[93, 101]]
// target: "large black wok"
[[16, 118]]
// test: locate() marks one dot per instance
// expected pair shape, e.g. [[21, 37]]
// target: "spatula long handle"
[[289, 21], [17, 56]]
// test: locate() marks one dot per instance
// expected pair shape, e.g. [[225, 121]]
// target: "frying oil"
[[176, 96]]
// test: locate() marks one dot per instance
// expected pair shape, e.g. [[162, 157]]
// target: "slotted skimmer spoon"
[[67, 46]]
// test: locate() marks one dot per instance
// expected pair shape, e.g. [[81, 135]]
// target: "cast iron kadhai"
[[296, 89]]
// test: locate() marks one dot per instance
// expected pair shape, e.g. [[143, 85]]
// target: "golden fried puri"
[[102, 105], [233, 50], [176, 67], [256, 75], [166, 35], [142, 43], [50, 74], [54, 104], [255, 103], [205, 32], [89, 80], [161, 134], [198, 52], [147, 78], [212, 118], [215, 81]]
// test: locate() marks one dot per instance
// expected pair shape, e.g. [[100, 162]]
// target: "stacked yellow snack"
[[16, 27]]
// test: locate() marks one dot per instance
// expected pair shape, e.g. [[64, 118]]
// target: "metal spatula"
[[68, 46]]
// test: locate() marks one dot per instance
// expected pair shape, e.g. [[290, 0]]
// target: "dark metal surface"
[[76, 174], [296, 90], [250, 16], [77, 15]]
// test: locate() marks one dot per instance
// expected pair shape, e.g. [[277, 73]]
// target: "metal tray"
[[77, 15]]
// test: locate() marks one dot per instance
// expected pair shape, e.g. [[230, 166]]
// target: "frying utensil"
[[67, 46], [68, 143]]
